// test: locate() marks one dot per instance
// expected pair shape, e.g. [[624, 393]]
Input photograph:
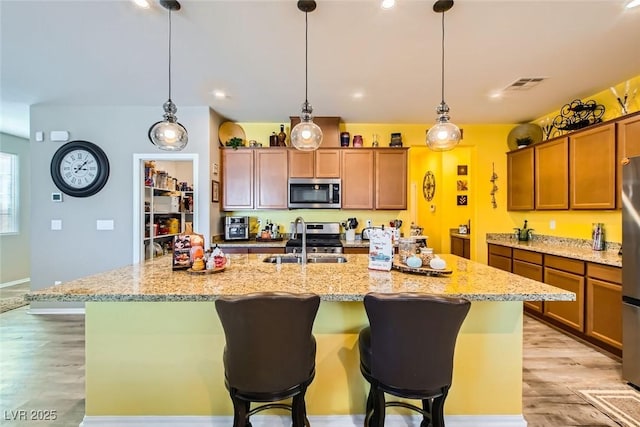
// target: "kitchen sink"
[[316, 259], [284, 259], [326, 259]]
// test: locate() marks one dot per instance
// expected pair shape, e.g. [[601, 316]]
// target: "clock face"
[[429, 186], [80, 168]]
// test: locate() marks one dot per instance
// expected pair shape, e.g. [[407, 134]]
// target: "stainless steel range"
[[322, 237]]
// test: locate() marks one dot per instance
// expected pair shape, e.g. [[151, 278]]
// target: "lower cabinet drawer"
[[570, 313], [501, 262]]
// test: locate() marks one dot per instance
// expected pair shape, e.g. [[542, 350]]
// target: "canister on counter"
[[406, 248]]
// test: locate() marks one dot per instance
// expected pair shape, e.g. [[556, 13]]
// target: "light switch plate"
[[56, 224], [39, 136], [104, 224]]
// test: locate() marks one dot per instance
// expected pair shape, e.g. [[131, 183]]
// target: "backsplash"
[[554, 240]]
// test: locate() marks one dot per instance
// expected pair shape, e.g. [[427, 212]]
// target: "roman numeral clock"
[[80, 168]]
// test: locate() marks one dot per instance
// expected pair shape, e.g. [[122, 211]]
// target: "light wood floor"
[[42, 368]]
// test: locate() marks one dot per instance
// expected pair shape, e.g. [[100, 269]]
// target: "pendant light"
[[444, 135], [306, 135], [168, 134]]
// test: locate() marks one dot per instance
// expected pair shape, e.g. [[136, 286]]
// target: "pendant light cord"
[[169, 53], [442, 57], [306, 57]]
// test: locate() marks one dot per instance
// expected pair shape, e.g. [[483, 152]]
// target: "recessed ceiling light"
[[358, 95], [144, 4], [633, 3], [388, 4], [496, 95], [219, 94]]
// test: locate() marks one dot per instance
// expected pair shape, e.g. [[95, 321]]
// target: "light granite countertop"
[[154, 280], [570, 248]]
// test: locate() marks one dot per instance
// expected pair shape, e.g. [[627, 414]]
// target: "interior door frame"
[[138, 193]]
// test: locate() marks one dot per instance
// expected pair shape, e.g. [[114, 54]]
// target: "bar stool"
[[407, 351], [270, 351]]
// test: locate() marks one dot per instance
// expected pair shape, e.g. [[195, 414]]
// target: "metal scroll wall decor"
[[576, 115], [494, 188]]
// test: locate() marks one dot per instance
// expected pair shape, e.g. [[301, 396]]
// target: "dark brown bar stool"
[[407, 351], [270, 351]]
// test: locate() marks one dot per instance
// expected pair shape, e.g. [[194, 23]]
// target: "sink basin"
[[284, 259], [289, 259], [326, 259]]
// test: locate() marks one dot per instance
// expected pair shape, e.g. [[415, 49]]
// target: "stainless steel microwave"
[[312, 193]]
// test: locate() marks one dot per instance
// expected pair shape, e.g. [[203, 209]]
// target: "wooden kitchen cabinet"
[[552, 174], [628, 145], [390, 178], [357, 173], [604, 304], [461, 247], [271, 178], [500, 257], [520, 182], [592, 168], [237, 179], [254, 179], [529, 264], [567, 274], [322, 163]]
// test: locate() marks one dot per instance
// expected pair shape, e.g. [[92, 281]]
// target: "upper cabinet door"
[[327, 163], [301, 164], [592, 168], [237, 179], [391, 178], [552, 174], [628, 140], [520, 180], [271, 178], [357, 179]]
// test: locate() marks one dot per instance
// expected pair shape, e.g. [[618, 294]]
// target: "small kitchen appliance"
[[310, 193], [237, 228], [322, 237]]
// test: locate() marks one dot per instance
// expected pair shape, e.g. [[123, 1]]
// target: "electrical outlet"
[[369, 223], [57, 282], [552, 224]]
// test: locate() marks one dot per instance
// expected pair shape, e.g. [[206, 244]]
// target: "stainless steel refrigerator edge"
[[631, 271]]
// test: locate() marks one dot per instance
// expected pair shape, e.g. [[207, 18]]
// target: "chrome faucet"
[[303, 254]]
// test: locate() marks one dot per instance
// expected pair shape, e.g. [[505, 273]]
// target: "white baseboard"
[[285, 421], [55, 311], [15, 282]]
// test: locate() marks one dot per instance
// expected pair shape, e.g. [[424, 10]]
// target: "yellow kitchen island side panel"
[[165, 358]]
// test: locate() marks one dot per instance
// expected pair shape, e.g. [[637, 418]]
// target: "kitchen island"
[[154, 342]]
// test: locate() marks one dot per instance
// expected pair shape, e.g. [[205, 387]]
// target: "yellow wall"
[[482, 149], [165, 358]]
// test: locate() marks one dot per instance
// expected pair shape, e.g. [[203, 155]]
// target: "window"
[[8, 193]]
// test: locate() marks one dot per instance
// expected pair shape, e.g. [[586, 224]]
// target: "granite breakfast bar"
[[154, 342]]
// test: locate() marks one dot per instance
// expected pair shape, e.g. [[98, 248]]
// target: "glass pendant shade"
[[444, 135], [306, 135], [169, 135]]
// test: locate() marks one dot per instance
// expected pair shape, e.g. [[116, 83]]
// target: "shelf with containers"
[[166, 214]]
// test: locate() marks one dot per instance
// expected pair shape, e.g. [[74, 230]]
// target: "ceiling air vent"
[[524, 83]]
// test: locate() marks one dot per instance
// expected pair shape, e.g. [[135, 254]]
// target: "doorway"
[[160, 203]]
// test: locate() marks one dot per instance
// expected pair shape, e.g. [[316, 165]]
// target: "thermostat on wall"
[[56, 197], [59, 135]]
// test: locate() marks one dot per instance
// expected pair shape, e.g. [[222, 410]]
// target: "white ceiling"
[[109, 52]]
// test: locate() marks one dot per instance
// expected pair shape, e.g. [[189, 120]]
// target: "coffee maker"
[[237, 227]]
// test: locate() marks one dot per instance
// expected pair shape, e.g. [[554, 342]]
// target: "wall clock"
[[429, 186], [80, 168]]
